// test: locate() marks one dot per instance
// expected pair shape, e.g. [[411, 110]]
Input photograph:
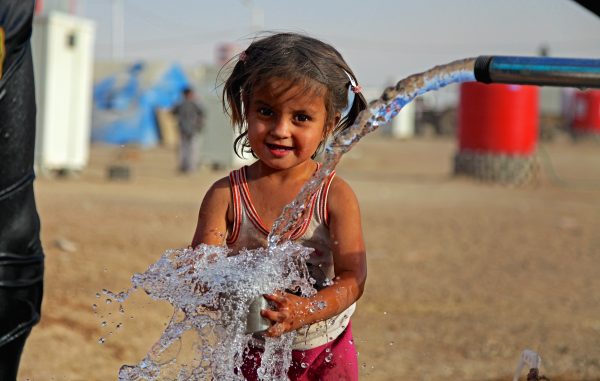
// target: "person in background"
[[190, 115]]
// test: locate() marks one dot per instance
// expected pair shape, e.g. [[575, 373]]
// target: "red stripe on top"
[[237, 208], [299, 232], [241, 193], [251, 211], [322, 211]]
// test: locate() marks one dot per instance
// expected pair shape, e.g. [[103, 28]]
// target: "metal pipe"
[[540, 71]]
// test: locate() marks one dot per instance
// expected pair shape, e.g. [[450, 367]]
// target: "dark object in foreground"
[[21, 255], [590, 5]]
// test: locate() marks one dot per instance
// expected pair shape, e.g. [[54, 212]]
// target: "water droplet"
[[94, 307], [119, 325], [327, 350], [101, 340], [364, 365], [385, 312], [391, 343], [108, 301], [97, 295], [121, 309], [304, 365], [103, 324]]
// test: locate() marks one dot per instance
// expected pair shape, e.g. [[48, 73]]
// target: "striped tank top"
[[249, 232]]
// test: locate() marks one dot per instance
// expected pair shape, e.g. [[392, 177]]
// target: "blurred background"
[[465, 271], [127, 61]]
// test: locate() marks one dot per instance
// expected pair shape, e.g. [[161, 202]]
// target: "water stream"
[[211, 291]]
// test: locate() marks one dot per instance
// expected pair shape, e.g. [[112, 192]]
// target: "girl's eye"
[[302, 118], [264, 111]]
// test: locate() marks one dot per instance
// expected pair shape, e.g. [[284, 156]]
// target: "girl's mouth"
[[278, 150]]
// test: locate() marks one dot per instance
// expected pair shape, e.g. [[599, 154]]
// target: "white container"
[[402, 126], [62, 49]]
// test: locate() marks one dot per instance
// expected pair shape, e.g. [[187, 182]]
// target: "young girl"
[[286, 94]]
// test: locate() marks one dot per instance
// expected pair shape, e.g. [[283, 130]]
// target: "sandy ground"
[[463, 276]]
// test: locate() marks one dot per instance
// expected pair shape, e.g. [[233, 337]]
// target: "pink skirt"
[[335, 361]]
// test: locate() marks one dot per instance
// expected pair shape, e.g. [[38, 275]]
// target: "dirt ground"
[[463, 276]]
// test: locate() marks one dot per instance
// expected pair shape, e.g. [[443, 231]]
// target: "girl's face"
[[285, 123]]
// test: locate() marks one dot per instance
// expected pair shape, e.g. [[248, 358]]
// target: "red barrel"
[[498, 118], [586, 118], [39, 7]]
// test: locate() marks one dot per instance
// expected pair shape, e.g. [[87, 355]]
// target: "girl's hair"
[[300, 59]]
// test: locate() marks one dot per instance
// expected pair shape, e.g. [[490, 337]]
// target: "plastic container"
[[586, 118]]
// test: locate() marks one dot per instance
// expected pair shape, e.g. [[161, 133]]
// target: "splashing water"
[[211, 291]]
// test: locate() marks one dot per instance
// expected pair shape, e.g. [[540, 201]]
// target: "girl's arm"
[[214, 215], [350, 264]]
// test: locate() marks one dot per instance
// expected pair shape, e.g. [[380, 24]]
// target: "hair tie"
[[353, 89], [243, 56], [353, 85]]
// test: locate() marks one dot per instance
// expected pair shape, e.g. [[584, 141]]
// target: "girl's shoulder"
[[219, 192], [224, 183], [338, 184], [221, 185], [214, 215], [340, 194]]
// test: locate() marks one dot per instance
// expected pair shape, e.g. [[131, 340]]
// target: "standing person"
[[190, 117], [287, 94], [21, 254]]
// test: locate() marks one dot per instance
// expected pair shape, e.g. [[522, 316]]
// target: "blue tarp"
[[125, 115]]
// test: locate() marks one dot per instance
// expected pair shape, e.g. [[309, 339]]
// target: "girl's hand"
[[290, 313]]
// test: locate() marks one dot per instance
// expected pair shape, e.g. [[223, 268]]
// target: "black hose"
[[539, 71]]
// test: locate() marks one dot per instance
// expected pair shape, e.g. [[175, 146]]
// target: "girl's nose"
[[280, 128]]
